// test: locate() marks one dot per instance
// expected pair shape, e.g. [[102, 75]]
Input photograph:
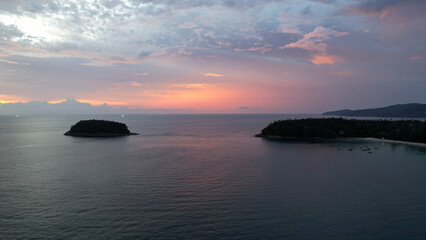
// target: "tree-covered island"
[[401, 130], [99, 128]]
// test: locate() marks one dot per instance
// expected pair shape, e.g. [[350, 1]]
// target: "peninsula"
[[98, 128], [310, 128], [410, 110]]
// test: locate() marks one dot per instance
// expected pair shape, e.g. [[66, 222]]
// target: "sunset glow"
[[325, 59], [11, 99], [212, 75], [56, 101], [216, 56]]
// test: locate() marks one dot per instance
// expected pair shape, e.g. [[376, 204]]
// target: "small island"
[[99, 128], [311, 128]]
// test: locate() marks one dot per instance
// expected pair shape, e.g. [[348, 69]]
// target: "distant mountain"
[[72, 106], [410, 110]]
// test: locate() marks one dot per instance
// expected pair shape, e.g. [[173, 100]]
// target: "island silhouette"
[[99, 128], [310, 128]]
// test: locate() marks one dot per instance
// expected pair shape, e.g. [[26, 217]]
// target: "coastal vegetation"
[[401, 130], [98, 128]]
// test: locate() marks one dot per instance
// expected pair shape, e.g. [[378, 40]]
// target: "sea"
[[203, 177]]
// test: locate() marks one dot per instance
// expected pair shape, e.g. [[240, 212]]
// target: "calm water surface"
[[203, 177]]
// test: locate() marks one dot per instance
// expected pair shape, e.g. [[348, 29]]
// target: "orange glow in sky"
[[56, 101], [101, 101], [11, 99], [212, 75], [325, 59], [189, 96]]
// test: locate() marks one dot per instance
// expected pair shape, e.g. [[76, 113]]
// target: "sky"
[[213, 56]]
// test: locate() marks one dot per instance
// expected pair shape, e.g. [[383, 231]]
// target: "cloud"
[[13, 62], [325, 59], [195, 85], [111, 61], [261, 49], [374, 7], [289, 28], [385, 8], [9, 32], [63, 41], [212, 75], [315, 40], [3, 54], [143, 54], [136, 84], [183, 52], [187, 25], [385, 13], [110, 33]]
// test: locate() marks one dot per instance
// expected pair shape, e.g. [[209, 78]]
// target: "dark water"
[[203, 177]]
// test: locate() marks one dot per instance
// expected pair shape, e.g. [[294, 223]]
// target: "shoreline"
[[98, 135], [395, 141], [315, 139]]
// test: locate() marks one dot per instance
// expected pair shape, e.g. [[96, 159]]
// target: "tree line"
[[401, 130]]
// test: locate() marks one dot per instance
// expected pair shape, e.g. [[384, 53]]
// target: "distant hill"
[[410, 110], [73, 106]]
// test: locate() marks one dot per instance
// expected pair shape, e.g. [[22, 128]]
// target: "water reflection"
[[203, 177]]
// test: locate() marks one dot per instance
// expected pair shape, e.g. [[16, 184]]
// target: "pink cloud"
[[314, 41], [385, 13], [325, 59], [212, 75], [3, 54], [195, 85], [382, 13], [13, 62], [135, 84], [183, 52]]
